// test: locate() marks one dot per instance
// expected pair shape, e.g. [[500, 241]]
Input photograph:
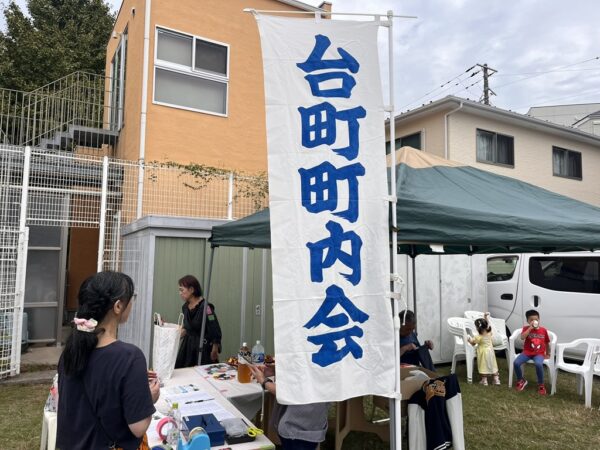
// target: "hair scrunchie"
[[86, 325]]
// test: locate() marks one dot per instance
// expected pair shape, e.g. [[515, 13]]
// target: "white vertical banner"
[[334, 336]]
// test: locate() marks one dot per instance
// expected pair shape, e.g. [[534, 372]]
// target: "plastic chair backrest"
[[473, 315], [456, 325]]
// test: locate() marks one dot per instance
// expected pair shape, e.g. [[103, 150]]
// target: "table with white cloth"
[[190, 376], [247, 397]]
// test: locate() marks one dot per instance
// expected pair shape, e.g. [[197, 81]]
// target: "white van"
[[563, 287]]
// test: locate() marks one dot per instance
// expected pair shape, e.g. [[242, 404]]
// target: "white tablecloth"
[[191, 376], [247, 397]]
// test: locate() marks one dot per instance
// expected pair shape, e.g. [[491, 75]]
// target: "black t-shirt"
[[116, 382]]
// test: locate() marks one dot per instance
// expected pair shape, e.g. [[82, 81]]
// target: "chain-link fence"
[[73, 191]]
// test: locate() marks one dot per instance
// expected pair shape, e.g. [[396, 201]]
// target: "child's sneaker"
[[483, 382], [541, 389], [497, 380], [521, 385]]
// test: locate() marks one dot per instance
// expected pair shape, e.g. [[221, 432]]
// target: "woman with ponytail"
[[106, 399]]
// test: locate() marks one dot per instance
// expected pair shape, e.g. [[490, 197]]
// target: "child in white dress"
[[486, 358]]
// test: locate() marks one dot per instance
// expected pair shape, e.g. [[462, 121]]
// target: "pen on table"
[[199, 401]]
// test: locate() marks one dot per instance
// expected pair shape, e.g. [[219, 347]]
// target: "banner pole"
[[395, 430]]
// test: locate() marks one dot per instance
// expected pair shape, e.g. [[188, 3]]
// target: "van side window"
[[501, 268], [566, 274]]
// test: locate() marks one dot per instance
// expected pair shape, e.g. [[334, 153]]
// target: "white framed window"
[[566, 163], [495, 148], [191, 72]]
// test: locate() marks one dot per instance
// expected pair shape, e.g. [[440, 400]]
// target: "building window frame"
[[191, 71], [117, 84], [399, 141], [567, 153], [495, 134]]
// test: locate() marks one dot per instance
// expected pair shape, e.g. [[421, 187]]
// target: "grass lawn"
[[21, 410], [495, 417], [498, 418]]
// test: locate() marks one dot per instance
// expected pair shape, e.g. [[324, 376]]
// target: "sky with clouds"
[[538, 48]]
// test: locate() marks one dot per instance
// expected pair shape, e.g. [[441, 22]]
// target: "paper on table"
[[182, 389], [188, 397], [205, 407]]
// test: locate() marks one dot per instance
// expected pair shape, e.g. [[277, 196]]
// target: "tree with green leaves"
[[56, 38]]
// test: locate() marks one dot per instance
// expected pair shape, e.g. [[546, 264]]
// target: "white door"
[[565, 290], [502, 282]]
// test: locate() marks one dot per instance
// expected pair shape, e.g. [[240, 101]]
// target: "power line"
[[547, 71], [542, 73], [442, 86]]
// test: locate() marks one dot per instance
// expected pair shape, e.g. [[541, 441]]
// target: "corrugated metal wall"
[[178, 256]]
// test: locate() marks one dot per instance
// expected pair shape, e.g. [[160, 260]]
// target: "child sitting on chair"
[[535, 347], [486, 358]]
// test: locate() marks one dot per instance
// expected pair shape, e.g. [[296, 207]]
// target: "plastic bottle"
[[258, 354], [244, 359], [173, 434]]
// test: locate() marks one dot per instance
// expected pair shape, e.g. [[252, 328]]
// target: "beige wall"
[[234, 142], [128, 144], [432, 132], [533, 156]]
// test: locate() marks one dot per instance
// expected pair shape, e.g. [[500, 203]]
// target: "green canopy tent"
[[451, 208], [445, 207]]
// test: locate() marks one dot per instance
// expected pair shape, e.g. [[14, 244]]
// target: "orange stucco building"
[[199, 65]]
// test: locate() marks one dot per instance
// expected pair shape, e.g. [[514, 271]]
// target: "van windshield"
[[501, 268], [566, 274]]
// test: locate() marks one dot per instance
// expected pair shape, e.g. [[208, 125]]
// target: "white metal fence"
[[70, 190]]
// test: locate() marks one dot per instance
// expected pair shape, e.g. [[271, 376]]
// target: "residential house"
[[567, 115], [559, 158]]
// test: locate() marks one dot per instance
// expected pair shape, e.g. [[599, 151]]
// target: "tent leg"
[[206, 297], [414, 284]]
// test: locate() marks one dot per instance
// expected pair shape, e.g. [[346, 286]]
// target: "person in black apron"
[[193, 311]]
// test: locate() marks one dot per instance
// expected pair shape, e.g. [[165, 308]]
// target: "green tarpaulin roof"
[[464, 209]]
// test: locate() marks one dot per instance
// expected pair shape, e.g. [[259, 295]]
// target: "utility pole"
[[487, 72]]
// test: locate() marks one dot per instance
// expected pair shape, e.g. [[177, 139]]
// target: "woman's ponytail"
[[96, 297]]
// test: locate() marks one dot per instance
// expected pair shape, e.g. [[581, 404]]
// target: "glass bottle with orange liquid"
[[244, 360]]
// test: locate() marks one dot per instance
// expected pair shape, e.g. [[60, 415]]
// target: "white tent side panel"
[[447, 286]]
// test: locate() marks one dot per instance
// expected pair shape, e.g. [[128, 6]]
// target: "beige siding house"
[[555, 157]]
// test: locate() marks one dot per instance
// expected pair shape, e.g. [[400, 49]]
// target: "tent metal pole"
[[244, 298], [206, 297], [414, 284]]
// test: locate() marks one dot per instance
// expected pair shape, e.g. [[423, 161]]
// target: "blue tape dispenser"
[[197, 439]]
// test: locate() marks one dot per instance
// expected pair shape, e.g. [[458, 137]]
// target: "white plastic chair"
[[498, 327], [585, 371], [457, 326], [48, 439], [548, 362]]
